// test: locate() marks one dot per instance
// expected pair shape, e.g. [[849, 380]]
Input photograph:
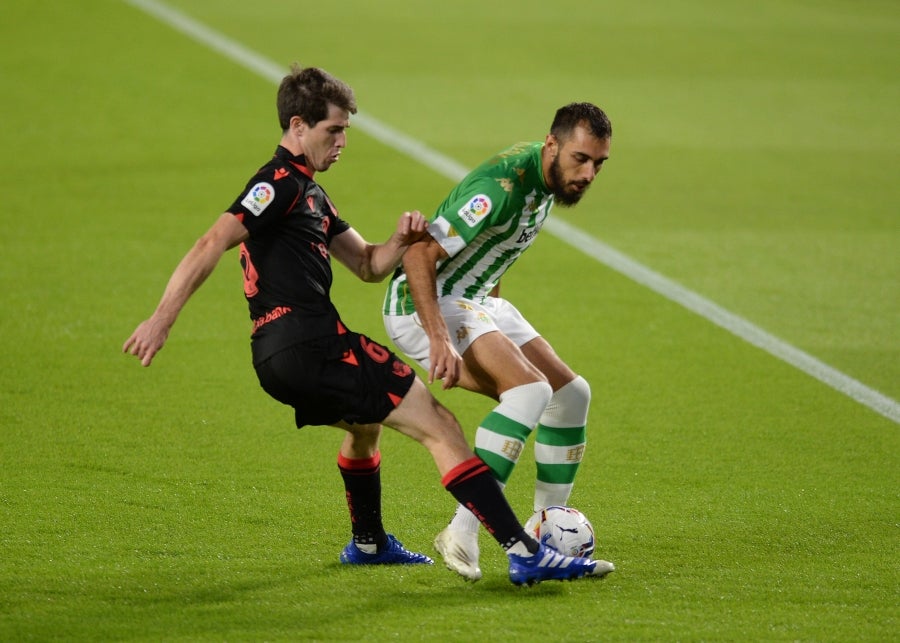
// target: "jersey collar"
[[298, 161]]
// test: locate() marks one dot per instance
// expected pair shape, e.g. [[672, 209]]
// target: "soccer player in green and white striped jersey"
[[443, 309]]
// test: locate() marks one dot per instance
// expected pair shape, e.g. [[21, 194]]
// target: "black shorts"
[[346, 377]]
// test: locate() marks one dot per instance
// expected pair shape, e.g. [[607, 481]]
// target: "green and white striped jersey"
[[487, 221]]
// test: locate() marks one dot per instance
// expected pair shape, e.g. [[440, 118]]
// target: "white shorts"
[[466, 321]]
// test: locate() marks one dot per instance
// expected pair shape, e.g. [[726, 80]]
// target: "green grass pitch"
[[754, 161]]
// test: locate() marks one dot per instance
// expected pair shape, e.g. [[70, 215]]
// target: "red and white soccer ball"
[[565, 529]]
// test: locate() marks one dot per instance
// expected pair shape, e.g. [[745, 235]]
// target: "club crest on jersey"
[[478, 207], [258, 198]]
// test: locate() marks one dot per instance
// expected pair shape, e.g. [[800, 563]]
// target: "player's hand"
[[146, 340], [411, 227], [446, 363]]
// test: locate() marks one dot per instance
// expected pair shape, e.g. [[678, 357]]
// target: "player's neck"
[[293, 146]]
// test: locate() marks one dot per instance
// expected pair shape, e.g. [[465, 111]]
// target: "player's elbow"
[[370, 277], [374, 276], [369, 269], [209, 246]]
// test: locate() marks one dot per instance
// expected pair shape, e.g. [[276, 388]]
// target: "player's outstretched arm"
[[150, 335], [373, 262], [420, 264]]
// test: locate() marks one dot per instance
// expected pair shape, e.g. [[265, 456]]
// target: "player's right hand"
[[411, 227], [446, 363], [146, 340]]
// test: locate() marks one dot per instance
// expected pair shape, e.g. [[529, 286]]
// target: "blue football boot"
[[548, 564], [393, 554]]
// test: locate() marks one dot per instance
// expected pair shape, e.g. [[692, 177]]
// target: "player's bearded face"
[[566, 192], [575, 165]]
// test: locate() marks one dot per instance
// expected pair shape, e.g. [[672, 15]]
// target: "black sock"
[[362, 485], [473, 486]]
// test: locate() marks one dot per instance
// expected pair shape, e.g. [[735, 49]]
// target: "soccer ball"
[[565, 529]]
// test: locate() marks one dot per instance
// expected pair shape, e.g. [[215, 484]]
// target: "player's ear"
[[551, 143], [298, 125]]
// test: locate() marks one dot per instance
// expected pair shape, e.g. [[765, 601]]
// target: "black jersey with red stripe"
[[287, 267]]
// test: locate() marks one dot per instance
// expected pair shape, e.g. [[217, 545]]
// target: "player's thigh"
[[540, 353], [536, 349], [494, 364]]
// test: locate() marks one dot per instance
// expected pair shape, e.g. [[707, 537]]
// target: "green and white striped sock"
[[501, 437], [560, 442]]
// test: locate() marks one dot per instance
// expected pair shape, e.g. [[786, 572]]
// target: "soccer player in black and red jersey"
[[304, 355]]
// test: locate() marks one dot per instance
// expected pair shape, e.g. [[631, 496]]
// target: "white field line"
[[580, 240]]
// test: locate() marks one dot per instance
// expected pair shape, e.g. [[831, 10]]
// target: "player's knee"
[[543, 391], [533, 395], [577, 392], [364, 434], [569, 405], [366, 430]]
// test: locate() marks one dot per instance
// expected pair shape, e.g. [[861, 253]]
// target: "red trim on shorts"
[[464, 471]]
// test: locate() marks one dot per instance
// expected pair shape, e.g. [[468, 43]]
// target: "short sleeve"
[[470, 210], [267, 197]]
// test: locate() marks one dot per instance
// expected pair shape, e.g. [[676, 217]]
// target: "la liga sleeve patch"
[[258, 198], [475, 209]]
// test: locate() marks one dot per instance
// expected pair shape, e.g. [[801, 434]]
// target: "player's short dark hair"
[[307, 93], [587, 114]]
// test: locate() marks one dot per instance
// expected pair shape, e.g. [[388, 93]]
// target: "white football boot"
[[602, 568], [460, 552]]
